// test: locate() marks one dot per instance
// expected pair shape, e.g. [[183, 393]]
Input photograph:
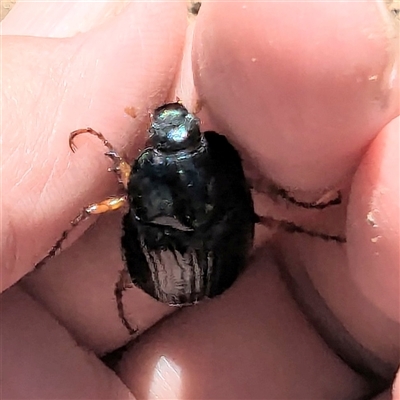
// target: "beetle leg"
[[110, 204], [293, 228], [121, 165], [107, 205], [328, 199], [124, 282], [91, 131], [323, 202]]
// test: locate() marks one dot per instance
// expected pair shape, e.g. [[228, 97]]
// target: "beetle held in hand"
[[190, 223]]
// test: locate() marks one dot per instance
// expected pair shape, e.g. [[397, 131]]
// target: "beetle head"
[[173, 128]]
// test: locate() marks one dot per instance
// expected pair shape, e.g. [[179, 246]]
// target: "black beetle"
[[190, 221], [190, 224]]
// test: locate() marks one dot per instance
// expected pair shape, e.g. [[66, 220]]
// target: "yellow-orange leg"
[[122, 169], [121, 165], [110, 204]]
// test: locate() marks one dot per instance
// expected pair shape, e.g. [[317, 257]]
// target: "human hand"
[[295, 106]]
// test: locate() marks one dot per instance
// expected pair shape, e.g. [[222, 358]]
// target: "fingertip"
[[41, 360], [87, 80], [295, 86], [374, 223]]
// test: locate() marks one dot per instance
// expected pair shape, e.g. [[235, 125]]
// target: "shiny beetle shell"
[[190, 224]]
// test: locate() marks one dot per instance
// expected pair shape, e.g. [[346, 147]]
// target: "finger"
[[396, 387], [374, 223], [77, 287], [350, 292], [295, 86], [49, 19], [42, 361], [91, 79], [248, 343]]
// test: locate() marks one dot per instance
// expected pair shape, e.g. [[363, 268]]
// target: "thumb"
[[53, 86]]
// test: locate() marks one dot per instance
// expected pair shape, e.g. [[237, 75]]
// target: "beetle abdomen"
[[176, 277]]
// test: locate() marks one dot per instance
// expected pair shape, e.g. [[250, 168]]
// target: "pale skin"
[[293, 95]]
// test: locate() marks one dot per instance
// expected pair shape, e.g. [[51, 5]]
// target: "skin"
[[309, 94]]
